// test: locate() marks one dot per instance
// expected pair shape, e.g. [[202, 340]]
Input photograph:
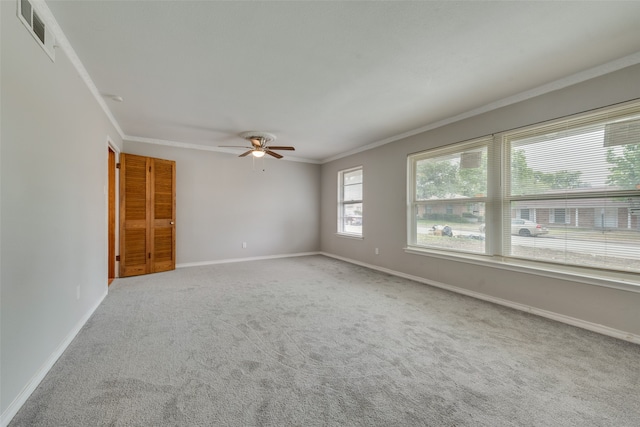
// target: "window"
[[558, 216], [350, 201], [448, 197], [565, 193], [582, 174]]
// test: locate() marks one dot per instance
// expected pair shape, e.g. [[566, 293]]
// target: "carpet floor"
[[313, 341]]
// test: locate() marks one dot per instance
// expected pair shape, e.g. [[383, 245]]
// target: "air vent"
[[37, 27]]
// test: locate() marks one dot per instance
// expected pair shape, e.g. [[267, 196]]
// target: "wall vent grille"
[[38, 28]]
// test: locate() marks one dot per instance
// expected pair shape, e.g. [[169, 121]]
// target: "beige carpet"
[[312, 341]]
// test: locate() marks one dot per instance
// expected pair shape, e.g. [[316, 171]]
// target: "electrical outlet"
[[377, 251], [244, 245]]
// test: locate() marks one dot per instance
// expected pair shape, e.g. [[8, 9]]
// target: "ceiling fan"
[[260, 145]]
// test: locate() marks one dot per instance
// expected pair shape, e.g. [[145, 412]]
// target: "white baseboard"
[[590, 326], [228, 260], [29, 388]]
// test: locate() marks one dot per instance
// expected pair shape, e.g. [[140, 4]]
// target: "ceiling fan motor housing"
[[261, 144], [264, 137]]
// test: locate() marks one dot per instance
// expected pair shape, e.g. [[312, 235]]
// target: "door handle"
[[171, 222]]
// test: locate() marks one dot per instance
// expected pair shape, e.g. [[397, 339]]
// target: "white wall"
[[53, 158], [385, 217], [222, 201]]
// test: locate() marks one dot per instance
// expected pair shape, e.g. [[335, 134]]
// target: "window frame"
[[343, 203], [414, 203], [498, 208]]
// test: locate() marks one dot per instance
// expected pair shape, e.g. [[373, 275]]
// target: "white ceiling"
[[333, 77]]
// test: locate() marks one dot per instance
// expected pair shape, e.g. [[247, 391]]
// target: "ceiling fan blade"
[[255, 142], [271, 153], [281, 148], [246, 153]]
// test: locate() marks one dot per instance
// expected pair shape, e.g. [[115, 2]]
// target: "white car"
[[524, 227]]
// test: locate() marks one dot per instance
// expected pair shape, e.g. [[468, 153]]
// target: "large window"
[[448, 197], [565, 193], [350, 201], [581, 177]]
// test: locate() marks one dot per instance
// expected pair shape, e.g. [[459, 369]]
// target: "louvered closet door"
[[163, 208], [147, 215]]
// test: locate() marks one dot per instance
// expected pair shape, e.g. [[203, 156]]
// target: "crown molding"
[[600, 70], [191, 146], [63, 43], [564, 82]]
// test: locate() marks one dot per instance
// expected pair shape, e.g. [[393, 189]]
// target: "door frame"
[[112, 212]]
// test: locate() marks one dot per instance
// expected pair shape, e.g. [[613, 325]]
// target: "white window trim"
[[413, 203], [610, 279], [341, 203]]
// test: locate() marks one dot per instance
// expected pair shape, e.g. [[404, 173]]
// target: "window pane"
[[589, 158], [353, 192], [559, 216], [452, 176], [353, 177], [351, 218], [595, 232], [451, 225]]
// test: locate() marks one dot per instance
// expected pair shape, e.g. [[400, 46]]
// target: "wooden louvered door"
[[163, 213], [147, 215]]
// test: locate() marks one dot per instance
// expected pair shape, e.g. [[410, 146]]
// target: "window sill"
[[350, 236], [617, 280]]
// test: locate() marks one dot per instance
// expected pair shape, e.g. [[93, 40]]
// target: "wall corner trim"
[[590, 326], [29, 388]]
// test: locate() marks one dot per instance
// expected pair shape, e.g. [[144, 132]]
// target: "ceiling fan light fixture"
[[260, 145]]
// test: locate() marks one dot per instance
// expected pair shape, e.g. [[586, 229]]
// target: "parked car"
[[354, 220], [524, 227]]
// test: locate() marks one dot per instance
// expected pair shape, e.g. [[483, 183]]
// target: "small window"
[[350, 206], [559, 216]]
